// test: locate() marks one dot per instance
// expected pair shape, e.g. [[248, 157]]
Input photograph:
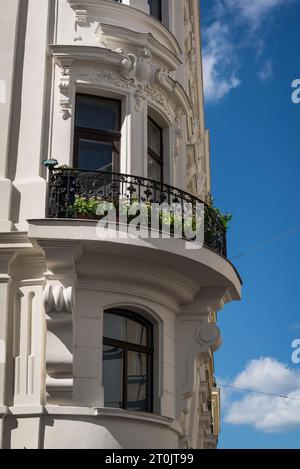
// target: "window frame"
[[126, 347], [159, 159], [113, 137]]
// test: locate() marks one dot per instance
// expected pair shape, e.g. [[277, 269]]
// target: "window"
[[97, 134], [127, 361], [155, 151], [155, 9]]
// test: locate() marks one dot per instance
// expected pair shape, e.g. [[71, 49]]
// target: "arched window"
[[127, 361]]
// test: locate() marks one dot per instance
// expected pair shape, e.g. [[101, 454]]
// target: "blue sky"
[[251, 54]]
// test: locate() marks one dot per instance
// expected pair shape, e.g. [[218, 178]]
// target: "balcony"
[[76, 194]]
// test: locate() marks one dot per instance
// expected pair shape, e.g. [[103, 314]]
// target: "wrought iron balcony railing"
[[74, 193]]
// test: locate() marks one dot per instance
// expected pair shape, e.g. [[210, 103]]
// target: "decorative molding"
[[81, 17], [59, 304], [65, 88], [178, 134], [135, 73], [115, 37], [26, 321], [209, 336], [102, 10], [196, 418], [58, 299]]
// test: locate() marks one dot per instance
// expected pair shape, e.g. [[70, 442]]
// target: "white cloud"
[[266, 72], [254, 11], [219, 69], [267, 413], [235, 24]]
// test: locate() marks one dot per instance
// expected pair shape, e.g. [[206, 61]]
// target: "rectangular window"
[[156, 9], [97, 134], [155, 151]]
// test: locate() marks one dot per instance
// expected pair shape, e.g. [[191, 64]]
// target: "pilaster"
[[6, 257]]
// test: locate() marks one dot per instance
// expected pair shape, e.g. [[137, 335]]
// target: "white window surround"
[[95, 71], [126, 162]]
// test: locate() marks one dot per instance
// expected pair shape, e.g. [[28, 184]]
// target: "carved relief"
[[209, 336], [196, 419], [58, 299], [197, 170], [59, 305], [64, 87], [81, 17], [135, 72], [178, 133]]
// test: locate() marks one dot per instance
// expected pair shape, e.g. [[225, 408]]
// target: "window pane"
[[137, 382], [154, 138], [155, 9], [114, 327], [97, 114], [113, 376], [95, 156], [124, 329], [154, 169]]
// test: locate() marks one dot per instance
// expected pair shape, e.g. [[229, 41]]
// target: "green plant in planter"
[[85, 208]]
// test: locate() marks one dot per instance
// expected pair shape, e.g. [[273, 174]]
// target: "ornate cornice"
[[117, 37], [134, 73], [65, 55], [87, 11]]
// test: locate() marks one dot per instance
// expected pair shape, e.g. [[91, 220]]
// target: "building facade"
[[105, 341]]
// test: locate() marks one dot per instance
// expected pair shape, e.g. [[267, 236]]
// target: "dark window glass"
[[137, 381], [96, 156], [125, 329], [155, 151], [127, 361], [97, 113], [154, 138], [97, 134], [113, 359], [155, 9]]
